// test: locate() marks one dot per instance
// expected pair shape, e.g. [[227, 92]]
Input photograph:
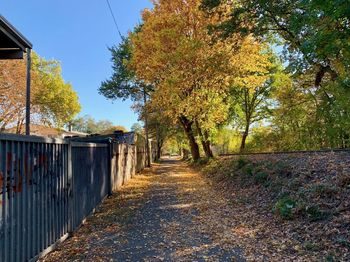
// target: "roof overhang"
[[12, 43]]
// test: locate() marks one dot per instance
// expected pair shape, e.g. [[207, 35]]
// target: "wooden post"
[[28, 92], [146, 128]]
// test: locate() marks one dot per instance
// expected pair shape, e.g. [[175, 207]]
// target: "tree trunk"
[[187, 125], [244, 138], [205, 142], [159, 150], [146, 129], [185, 154], [207, 150], [159, 143]]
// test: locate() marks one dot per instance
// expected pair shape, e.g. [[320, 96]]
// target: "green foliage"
[[330, 258], [227, 82], [123, 83], [343, 241], [53, 101], [310, 96], [314, 213], [285, 206], [316, 29], [137, 128], [248, 169], [242, 162], [203, 161], [226, 140], [57, 100], [261, 177], [87, 124], [324, 190], [310, 246]]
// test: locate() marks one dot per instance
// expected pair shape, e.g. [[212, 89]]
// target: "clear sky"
[[77, 33]]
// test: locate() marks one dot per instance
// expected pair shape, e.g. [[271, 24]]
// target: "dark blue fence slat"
[[90, 179], [11, 204], [41, 171], [22, 204], [4, 222], [17, 203]]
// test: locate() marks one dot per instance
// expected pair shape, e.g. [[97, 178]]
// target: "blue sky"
[[77, 33]]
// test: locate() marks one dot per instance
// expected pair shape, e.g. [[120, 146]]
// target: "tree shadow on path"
[[156, 217]]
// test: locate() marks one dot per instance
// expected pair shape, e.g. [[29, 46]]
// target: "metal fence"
[[35, 186], [48, 187], [90, 171]]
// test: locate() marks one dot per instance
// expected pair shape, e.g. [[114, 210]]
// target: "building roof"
[[12, 43], [40, 130]]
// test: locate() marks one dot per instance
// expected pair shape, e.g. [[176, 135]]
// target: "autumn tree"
[[310, 109], [89, 125], [251, 85], [53, 101], [114, 129], [315, 33], [174, 52], [124, 84], [12, 93], [57, 101]]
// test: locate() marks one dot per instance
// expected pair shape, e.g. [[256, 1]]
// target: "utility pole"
[[28, 92], [146, 127]]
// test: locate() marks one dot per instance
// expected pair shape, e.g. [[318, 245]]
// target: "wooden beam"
[[11, 54], [14, 39]]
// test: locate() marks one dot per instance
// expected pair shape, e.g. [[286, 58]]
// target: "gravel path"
[[168, 213]]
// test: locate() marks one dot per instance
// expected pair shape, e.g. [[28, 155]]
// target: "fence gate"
[[90, 178]]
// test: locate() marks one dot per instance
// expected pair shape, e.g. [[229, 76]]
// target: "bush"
[[330, 258], [248, 170], [316, 214], [242, 162], [310, 246], [285, 207], [324, 190], [282, 169], [203, 161], [261, 177]]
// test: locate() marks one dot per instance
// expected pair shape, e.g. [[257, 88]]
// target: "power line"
[[115, 20]]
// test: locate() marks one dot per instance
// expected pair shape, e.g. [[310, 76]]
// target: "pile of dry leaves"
[[294, 207]]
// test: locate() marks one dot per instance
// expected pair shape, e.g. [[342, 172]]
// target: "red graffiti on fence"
[[19, 172]]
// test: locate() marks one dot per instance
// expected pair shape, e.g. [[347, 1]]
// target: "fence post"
[[111, 166], [70, 190]]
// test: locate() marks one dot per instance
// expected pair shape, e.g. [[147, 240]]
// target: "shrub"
[[324, 190], [261, 177], [248, 170], [330, 257], [316, 214], [241, 162], [343, 241], [285, 207], [282, 169], [310, 246]]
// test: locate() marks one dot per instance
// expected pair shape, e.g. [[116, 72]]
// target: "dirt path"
[[168, 213]]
